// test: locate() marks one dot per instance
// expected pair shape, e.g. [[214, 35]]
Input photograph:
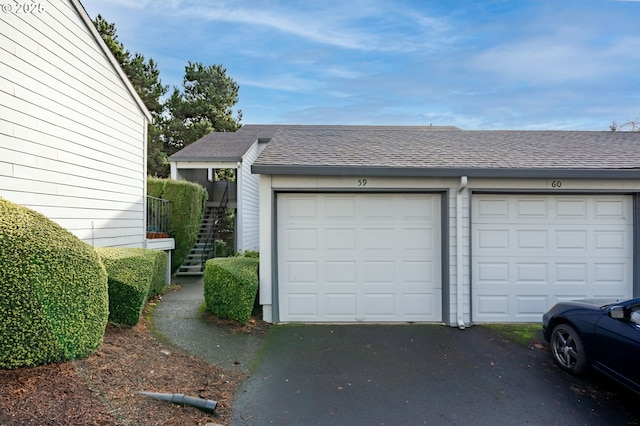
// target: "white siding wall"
[[248, 203], [72, 137]]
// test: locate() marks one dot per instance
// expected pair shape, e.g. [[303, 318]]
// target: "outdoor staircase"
[[205, 242]]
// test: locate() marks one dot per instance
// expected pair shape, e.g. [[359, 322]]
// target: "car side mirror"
[[616, 312]]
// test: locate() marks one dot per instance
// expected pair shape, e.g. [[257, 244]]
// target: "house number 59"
[[362, 182]]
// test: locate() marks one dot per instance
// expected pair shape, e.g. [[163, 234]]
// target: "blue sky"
[[534, 64]]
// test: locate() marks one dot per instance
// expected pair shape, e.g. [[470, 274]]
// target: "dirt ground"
[[103, 389]]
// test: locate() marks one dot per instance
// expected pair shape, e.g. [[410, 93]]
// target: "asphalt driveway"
[[418, 374]]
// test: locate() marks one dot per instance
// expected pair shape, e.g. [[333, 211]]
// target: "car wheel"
[[568, 350]]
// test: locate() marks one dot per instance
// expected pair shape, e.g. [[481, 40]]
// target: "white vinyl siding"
[[359, 257], [72, 137], [249, 203], [530, 251]]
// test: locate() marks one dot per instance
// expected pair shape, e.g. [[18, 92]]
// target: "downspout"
[[459, 252]]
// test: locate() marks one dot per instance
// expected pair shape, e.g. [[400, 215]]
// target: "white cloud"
[[340, 24], [561, 57], [283, 82]]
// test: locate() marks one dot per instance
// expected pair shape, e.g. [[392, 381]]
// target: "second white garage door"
[[359, 257], [530, 251]]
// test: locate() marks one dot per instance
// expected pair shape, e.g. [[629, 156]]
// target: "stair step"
[[189, 273], [212, 217]]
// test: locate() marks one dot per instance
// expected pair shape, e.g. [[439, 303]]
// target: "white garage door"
[[359, 257], [530, 251]]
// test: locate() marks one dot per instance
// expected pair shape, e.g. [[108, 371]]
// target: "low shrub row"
[[56, 295], [135, 276], [231, 286]]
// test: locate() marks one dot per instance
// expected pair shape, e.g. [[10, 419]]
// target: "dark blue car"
[[601, 334]]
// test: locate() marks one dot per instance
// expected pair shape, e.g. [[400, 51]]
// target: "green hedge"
[[155, 187], [188, 201], [135, 275], [53, 291], [159, 278], [231, 286]]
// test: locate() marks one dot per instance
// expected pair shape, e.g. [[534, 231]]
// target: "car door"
[[617, 350]]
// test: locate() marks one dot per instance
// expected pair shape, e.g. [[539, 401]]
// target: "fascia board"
[[445, 172]]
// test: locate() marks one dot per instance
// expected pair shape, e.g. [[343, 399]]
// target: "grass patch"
[[526, 334]]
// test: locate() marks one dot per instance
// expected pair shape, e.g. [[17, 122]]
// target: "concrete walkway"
[[178, 317]]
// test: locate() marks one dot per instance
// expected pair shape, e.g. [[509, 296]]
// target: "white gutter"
[[459, 252]]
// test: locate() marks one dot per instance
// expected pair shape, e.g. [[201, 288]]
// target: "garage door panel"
[[376, 208], [340, 272], [339, 207], [378, 239], [379, 306], [489, 305], [418, 209], [416, 239], [551, 273], [418, 272], [608, 240], [532, 209], [570, 273], [542, 209], [302, 239], [552, 240], [523, 256], [492, 208], [302, 272], [532, 239], [340, 305], [531, 305], [531, 273], [571, 240], [379, 272], [490, 238], [341, 238], [302, 305], [613, 273], [418, 305], [609, 209], [363, 264], [302, 208], [570, 209]]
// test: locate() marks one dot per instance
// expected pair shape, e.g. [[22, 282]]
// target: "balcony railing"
[[158, 217]]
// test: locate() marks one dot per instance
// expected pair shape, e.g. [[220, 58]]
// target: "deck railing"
[[158, 217]]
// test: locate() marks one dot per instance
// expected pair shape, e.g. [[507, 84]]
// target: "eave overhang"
[[522, 173]]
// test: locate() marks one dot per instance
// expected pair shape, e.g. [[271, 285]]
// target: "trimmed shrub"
[[155, 186], [188, 203], [231, 286], [249, 253], [135, 275], [53, 291], [159, 278]]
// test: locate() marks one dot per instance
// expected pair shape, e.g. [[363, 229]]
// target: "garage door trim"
[[635, 201], [444, 238]]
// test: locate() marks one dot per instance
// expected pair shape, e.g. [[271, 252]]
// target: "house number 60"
[[362, 182]]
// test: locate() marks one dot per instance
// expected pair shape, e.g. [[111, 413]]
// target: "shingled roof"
[[223, 146], [421, 151], [425, 151]]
